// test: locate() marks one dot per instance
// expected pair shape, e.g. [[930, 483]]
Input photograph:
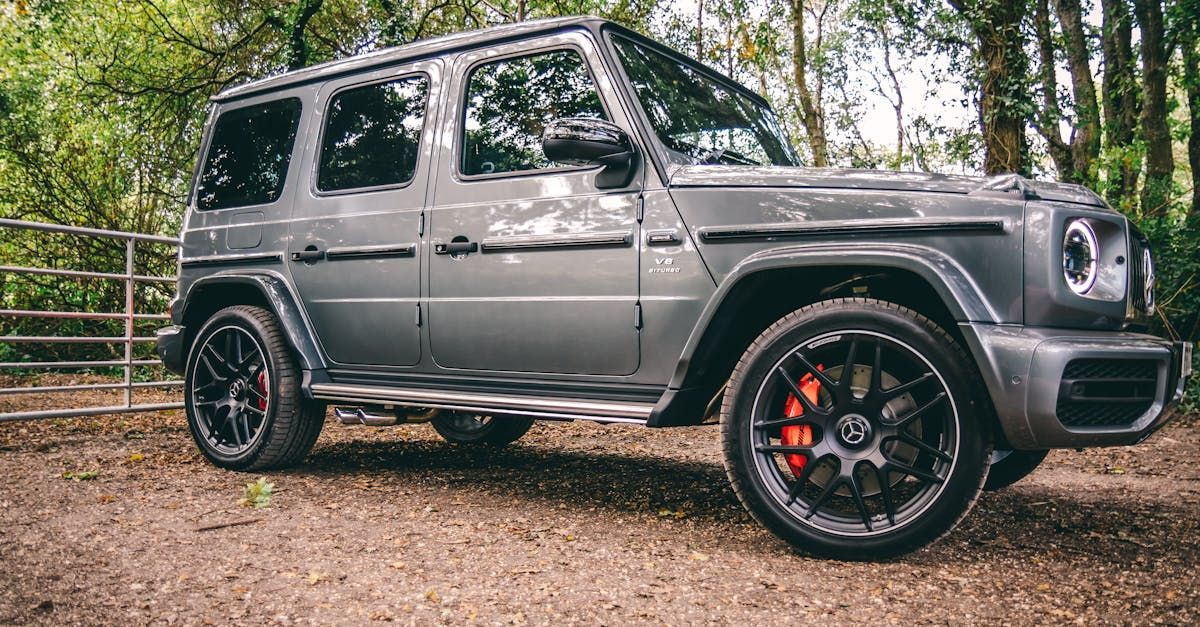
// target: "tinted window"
[[249, 155], [510, 102], [372, 134], [699, 118]]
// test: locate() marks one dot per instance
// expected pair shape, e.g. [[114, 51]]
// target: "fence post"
[[129, 248]]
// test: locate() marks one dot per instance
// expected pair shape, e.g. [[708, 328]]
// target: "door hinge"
[[641, 207], [421, 224], [637, 316], [418, 314]]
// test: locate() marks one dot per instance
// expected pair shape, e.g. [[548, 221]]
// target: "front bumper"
[[1061, 388], [169, 346]]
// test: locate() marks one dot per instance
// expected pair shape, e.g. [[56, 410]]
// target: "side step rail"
[[532, 406]]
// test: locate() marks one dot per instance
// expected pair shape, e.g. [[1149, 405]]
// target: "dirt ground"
[[576, 523]]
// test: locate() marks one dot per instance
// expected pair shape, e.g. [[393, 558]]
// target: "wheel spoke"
[[245, 422], [791, 421], [923, 475], [236, 356], [856, 492], [847, 375], [826, 494], [877, 369], [221, 361], [212, 372], [920, 411], [254, 410], [789, 449], [925, 446], [903, 388], [815, 372], [797, 487], [885, 493], [809, 407]]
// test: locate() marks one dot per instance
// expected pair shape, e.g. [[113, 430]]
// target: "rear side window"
[[248, 158], [509, 103], [372, 134]]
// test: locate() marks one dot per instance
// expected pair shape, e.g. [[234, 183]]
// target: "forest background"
[[102, 103]]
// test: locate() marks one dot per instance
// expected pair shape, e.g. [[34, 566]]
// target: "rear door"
[[356, 228], [551, 285]]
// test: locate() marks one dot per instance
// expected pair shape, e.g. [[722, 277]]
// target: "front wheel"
[[464, 428], [856, 429]]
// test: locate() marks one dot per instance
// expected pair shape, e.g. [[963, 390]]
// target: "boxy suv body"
[[565, 220]]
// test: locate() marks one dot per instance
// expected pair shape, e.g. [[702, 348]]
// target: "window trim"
[[315, 174], [208, 144], [461, 123]]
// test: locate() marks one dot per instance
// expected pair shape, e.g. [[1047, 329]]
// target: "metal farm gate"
[[128, 339]]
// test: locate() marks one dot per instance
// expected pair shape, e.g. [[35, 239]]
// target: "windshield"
[[699, 119]]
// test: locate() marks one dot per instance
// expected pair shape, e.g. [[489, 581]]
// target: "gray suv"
[[564, 220]]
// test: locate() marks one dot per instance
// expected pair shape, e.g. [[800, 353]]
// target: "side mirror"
[[588, 141]]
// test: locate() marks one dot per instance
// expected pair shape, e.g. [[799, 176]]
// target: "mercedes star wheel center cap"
[[853, 430]]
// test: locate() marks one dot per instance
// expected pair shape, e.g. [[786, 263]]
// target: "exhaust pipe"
[[360, 416]]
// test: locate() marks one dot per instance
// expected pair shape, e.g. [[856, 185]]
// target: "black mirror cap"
[[588, 141]]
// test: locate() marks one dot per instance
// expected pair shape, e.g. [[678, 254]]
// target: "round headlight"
[[1080, 253], [1148, 279]]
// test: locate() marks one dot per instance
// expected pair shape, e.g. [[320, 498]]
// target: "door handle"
[[456, 248], [310, 254]]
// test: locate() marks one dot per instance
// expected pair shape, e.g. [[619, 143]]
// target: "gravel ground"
[[574, 523]]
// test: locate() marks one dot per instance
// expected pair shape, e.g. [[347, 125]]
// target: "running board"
[[531, 406]]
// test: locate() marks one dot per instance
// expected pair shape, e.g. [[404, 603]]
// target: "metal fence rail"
[[131, 279]]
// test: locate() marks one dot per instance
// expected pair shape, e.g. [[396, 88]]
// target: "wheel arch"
[[210, 294], [748, 301]]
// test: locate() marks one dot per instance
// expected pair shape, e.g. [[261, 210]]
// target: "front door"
[[355, 249], [534, 268]]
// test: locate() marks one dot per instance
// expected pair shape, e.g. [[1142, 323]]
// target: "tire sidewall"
[[235, 317], [966, 477]]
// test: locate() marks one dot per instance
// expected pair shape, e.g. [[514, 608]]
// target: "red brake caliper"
[[262, 389], [800, 435]]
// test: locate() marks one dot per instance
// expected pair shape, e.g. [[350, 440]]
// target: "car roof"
[[415, 50]]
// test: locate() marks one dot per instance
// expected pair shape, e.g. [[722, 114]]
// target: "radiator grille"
[[1106, 392]]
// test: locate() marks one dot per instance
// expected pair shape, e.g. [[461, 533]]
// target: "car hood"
[[877, 180]]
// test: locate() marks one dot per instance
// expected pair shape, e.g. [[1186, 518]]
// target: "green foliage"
[[257, 494]]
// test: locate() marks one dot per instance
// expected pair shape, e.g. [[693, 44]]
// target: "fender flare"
[[957, 290], [280, 300]]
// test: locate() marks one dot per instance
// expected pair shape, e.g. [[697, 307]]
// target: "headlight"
[[1148, 279], [1080, 252]]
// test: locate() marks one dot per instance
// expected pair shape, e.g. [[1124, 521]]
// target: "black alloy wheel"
[[242, 393], [853, 429]]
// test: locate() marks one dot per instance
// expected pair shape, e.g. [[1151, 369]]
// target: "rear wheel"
[[242, 393], [855, 429], [465, 428], [1009, 467]]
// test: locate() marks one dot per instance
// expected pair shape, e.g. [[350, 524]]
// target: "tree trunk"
[[700, 30], [1085, 144], [1051, 115], [997, 27], [1189, 42], [1160, 163], [1120, 102], [297, 39], [808, 109]]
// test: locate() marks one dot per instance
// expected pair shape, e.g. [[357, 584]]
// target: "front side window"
[[372, 135], [699, 119], [248, 156], [510, 102]]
